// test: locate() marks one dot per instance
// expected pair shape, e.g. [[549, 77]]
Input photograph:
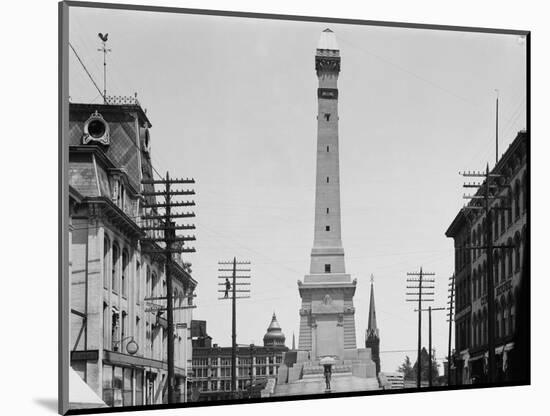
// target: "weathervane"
[[104, 49]]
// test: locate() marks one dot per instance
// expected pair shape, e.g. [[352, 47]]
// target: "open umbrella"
[[327, 360]]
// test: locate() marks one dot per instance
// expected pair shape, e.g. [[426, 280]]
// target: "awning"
[[81, 396], [476, 357]]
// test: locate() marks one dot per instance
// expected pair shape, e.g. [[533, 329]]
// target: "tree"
[[425, 358], [407, 369]]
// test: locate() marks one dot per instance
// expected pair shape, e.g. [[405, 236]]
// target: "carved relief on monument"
[[327, 303], [327, 64]]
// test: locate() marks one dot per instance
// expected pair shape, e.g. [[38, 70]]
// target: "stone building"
[[118, 340], [212, 365], [508, 229]]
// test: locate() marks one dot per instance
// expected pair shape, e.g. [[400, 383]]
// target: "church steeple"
[[372, 337], [372, 329]]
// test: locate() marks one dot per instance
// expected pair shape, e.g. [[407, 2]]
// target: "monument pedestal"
[[327, 315]]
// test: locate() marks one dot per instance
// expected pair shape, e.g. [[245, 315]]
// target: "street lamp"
[[132, 347]]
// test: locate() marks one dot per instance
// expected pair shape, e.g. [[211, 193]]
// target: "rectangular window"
[[108, 395], [114, 268], [139, 387], [327, 228], [128, 388], [327, 268], [114, 330], [138, 282], [124, 277], [106, 259], [137, 333], [327, 210], [327, 149], [327, 179]]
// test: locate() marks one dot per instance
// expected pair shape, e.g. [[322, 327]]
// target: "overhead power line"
[[87, 72]]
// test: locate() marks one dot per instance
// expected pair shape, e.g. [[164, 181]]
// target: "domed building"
[[254, 363], [274, 336]]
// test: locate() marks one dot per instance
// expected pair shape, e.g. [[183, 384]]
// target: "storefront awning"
[[81, 396]]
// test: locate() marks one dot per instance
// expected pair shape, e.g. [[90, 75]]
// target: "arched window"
[[106, 325], [115, 267], [474, 288], [106, 261], [517, 196], [483, 227], [154, 282], [468, 289], [496, 257], [503, 219], [479, 277], [509, 200], [505, 313], [503, 266], [510, 254], [517, 243], [124, 278], [484, 278], [495, 221], [497, 320], [484, 336], [511, 314], [138, 282], [148, 283], [474, 240]]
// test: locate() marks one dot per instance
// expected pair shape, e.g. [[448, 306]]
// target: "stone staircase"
[[317, 371], [343, 382]]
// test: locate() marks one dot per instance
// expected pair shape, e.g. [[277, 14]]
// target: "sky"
[[233, 104]]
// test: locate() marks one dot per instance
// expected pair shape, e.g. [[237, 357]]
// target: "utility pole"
[[165, 224], [486, 194], [417, 297], [430, 358], [450, 302], [233, 287]]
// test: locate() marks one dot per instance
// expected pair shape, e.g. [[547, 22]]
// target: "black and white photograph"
[[264, 207]]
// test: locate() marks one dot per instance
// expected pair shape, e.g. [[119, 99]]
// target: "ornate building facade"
[[118, 342], [509, 228], [255, 365]]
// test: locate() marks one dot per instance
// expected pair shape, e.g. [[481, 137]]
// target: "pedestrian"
[[227, 287], [328, 374]]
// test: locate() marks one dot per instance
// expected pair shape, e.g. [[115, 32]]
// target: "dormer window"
[[96, 129]]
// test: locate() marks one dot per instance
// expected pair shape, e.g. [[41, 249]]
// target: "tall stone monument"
[[327, 315]]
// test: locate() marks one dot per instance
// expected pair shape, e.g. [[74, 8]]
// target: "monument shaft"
[[327, 321]]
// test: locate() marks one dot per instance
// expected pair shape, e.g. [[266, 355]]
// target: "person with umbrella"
[[327, 362]]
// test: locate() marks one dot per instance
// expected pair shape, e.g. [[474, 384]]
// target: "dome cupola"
[[274, 335]]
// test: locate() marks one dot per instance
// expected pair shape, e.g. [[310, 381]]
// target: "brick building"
[[509, 227], [118, 342], [212, 364]]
